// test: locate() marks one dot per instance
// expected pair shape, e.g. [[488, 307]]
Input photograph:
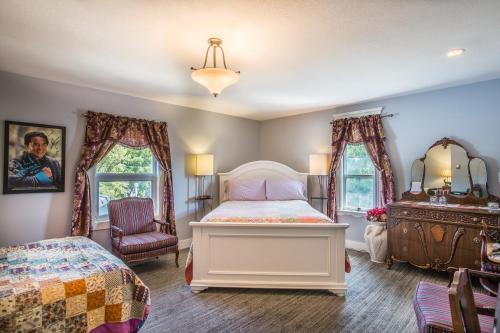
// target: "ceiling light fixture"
[[455, 52], [213, 78]]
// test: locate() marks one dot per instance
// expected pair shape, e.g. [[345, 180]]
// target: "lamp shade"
[[215, 79], [446, 173], [204, 165], [319, 164]]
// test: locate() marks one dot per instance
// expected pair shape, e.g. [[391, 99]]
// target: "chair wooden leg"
[[177, 258]]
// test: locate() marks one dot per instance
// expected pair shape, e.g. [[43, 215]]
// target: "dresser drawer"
[[483, 219], [443, 216]]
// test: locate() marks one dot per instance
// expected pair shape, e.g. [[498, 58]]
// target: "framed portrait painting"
[[34, 158]]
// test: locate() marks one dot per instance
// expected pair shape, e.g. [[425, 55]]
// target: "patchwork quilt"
[[69, 285]]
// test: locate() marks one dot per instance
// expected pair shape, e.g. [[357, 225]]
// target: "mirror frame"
[[469, 199]]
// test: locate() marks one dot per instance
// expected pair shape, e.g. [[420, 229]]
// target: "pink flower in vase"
[[377, 215]]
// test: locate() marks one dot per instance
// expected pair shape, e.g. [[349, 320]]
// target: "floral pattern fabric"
[[369, 131], [103, 131]]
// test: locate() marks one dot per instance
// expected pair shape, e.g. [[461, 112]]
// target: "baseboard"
[[184, 243], [355, 245]]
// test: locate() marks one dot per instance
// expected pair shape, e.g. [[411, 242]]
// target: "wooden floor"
[[378, 300]]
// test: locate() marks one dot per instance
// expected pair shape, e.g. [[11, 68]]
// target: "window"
[[358, 179], [125, 172]]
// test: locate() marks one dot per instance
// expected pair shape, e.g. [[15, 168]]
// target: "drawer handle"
[[475, 219], [476, 240], [405, 212], [405, 231]]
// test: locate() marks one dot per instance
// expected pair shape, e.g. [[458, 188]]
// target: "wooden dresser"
[[438, 237]]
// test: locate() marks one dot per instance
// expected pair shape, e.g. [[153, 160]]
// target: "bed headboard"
[[260, 170]]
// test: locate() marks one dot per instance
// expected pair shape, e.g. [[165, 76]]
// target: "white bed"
[[231, 253]]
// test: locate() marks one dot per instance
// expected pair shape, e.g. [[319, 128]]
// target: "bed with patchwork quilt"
[[69, 284]]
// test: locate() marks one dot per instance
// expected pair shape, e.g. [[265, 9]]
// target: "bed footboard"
[[287, 256]]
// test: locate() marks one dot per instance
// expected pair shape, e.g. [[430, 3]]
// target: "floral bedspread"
[[69, 285], [288, 211]]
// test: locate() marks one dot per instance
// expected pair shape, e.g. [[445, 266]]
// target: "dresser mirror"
[[479, 177], [448, 169], [417, 176]]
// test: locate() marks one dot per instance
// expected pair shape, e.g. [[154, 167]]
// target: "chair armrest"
[[161, 222], [165, 226], [116, 230], [486, 311], [493, 277]]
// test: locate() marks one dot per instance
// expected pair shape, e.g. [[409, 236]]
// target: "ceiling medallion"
[[214, 78]]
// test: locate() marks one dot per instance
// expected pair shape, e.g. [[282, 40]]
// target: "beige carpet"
[[378, 300]]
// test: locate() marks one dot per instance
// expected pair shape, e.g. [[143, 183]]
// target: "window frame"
[[153, 177], [342, 179]]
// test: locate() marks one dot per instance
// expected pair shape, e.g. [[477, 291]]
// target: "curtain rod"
[[389, 115], [362, 113]]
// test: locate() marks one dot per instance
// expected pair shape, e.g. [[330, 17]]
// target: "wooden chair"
[[436, 309], [133, 231], [464, 311]]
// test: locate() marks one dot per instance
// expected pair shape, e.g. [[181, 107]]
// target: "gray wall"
[[470, 114], [30, 217]]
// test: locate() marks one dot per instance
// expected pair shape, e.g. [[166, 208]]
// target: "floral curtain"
[[102, 133], [369, 131]]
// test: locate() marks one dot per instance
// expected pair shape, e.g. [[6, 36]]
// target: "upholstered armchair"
[[133, 230]]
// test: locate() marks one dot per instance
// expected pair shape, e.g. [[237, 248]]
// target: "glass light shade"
[[319, 164], [204, 165], [455, 52], [215, 79]]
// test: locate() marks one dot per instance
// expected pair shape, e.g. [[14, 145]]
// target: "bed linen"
[[287, 211], [69, 284]]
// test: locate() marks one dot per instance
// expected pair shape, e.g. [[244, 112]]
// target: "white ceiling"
[[294, 56]]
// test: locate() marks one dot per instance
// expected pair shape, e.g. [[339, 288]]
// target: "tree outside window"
[[359, 181], [125, 172]]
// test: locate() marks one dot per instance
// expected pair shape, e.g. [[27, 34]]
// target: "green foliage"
[[122, 159], [122, 189], [357, 161], [359, 182], [359, 193], [125, 160]]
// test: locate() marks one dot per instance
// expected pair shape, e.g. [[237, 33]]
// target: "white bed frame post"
[[268, 255]]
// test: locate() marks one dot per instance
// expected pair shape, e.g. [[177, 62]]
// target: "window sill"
[[100, 225], [354, 213]]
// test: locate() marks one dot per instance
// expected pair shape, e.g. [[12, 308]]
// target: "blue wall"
[[469, 114]]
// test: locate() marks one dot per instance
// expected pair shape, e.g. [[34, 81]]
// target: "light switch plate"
[[499, 177]]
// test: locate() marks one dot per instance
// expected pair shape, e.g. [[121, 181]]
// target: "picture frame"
[[34, 158]]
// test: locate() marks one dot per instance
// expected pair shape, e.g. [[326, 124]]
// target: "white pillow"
[[246, 190], [285, 189]]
